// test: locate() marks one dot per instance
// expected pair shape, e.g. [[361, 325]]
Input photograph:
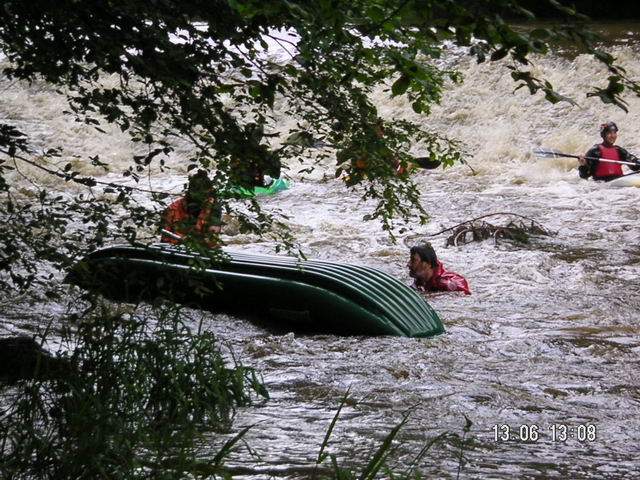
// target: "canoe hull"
[[308, 296]]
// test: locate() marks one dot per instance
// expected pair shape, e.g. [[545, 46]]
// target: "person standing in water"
[[592, 164]]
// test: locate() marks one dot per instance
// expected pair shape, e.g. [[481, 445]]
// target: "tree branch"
[[86, 181]]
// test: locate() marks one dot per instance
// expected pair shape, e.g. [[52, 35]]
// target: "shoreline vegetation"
[[139, 391]]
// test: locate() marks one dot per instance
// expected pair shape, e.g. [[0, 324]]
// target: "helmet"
[[607, 127]]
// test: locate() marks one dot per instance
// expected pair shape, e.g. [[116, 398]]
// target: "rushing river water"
[[548, 337]]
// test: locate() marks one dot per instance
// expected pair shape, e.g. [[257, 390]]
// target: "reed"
[[143, 393], [381, 462]]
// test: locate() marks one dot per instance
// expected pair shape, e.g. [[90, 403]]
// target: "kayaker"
[[256, 174], [430, 275], [197, 215], [590, 164], [260, 165], [360, 160]]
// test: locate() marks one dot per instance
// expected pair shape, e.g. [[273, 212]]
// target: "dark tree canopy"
[[180, 64], [595, 9]]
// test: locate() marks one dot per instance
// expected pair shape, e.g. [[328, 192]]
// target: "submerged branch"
[[466, 222], [474, 231]]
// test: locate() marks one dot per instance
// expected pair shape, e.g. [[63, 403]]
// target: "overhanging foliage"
[[199, 71]]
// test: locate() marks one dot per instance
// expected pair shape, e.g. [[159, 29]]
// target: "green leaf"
[[604, 57], [540, 33], [498, 54], [327, 436], [377, 461], [227, 448], [400, 85]]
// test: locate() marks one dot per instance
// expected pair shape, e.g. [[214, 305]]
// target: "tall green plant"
[[140, 395]]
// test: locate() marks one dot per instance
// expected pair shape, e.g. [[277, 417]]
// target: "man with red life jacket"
[[196, 216], [593, 164], [430, 275]]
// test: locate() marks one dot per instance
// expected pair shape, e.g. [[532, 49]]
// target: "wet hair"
[[426, 253], [607, 127], [200, 182]]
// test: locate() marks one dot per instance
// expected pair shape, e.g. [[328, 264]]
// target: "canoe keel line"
[[306, 295]]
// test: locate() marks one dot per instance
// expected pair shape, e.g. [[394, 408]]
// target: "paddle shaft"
[[610, 161], [172, 235], [426, 163], [422, 162], [556, 154], [632, 173]]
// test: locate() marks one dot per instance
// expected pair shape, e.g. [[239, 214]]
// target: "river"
[[547, 342]]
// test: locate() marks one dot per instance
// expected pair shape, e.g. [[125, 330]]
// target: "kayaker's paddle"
[[426, 163], [170, 234], [306, 140], [553, 154], [632, 173]]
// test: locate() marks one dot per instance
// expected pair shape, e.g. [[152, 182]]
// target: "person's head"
[[422, 262], [199, 187], [609, 132]]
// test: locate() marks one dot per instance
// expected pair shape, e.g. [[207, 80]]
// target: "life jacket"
[[177, 219], [608, 169], [444, 281]]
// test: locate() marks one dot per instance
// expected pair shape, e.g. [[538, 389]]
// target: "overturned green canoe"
[[308, 295]]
